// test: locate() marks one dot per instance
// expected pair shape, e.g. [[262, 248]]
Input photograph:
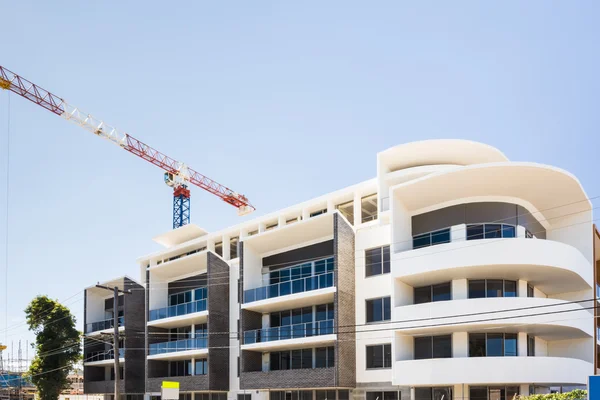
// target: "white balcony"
[[179, 349], [492, 371], [550, 319], [550, 266]]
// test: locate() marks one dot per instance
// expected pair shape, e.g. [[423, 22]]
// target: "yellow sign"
[[170, 385], [3, 347]]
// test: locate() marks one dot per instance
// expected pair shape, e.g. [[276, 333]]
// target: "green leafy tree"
[[57, 345]]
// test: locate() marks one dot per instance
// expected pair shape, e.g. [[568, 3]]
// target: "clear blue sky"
[[281, 101]]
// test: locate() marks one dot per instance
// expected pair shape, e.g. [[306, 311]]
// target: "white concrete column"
[[305, 214], [266, 322], [357, 209], [210, 245], [330, 206], [458, 233], [522, 288], [193, 367], [520, 231], [281, 220], [226, 247], [460, 344], [412, 393], [265, 362], [460, 289], [524, 390], [261, 227], [522, 344]]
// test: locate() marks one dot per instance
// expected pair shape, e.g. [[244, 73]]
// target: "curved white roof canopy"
[[550, 191], [438, 152]]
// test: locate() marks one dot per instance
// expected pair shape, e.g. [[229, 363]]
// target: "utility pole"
[[116, 292]]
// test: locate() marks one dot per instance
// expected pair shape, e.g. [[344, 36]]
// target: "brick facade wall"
[[345, 309], [186, 383], [133, 311], [218, 323], [289, 379]]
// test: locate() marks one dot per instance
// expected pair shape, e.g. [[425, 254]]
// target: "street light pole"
[[116, 292]]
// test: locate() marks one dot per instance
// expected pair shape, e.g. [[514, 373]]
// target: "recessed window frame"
[[386, 356], [431, 238], [384, 300], [384, 264], [369, 218], [432, 293], [431, 342], [492, 336], [490, 230], [486, 289]]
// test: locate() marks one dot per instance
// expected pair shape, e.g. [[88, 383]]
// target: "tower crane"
[[177, 174]]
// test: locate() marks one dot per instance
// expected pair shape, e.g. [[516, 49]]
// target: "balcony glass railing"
[[102, 325], [103, 355], [177, 310], [289, 287], [178, 345], [295, 331]]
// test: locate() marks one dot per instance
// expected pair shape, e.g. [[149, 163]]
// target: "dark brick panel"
[[133, 311], [251, 361], [103, 387], [290, 379], [345, 347], [186, 383], [218, 323]]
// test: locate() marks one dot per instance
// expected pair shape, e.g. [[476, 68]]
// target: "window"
[[291, 359], [180, 368], [325, 395], [427, 294], [292, 220], [183, 396], [383, 395], [219, 248], [433, 347], [324, 357], [243, 396], [271, 226], [481, 288], [318, 212], [490, 231], [252, 233], [433, 393], [238, 367], [530, 346], [379, 309], [183, 332], [368, 208], [233, 247], [492, 344], [379, 356], [377, 261], [347, 210], [530, 292], [201, 367], [431, 238], [493, 392]]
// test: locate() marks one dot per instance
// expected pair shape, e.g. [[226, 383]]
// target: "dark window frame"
[[485, 288], [432, 346], [383, 309], [385, 267], [429, 236], [504, 340], [431, 292], [386, 348]]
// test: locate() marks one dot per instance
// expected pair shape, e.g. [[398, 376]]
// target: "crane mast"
[[177, 174]]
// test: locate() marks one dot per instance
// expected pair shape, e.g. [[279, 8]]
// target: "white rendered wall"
[[94, 307], [582, 349], [575, 230]]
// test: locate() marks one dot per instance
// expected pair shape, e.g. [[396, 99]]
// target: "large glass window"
[[180, 368], [390, 395], [431, 238], [493, 392], [530, 292], [201, 367], [302, 359], [379, 309], [427, 294], [368, 208], [480, 288], [433, 393], [490, 231], [433, 347], [493, 345], [377, 261], [324, 357], [379, 356], [530, 346]]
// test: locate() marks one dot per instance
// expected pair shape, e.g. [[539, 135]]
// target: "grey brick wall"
[[218, 323], [101, 387], [345, 312], [186, 383], [133, 312], [290, 379]]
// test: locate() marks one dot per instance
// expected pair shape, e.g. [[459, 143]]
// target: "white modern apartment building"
[[453, 274]]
